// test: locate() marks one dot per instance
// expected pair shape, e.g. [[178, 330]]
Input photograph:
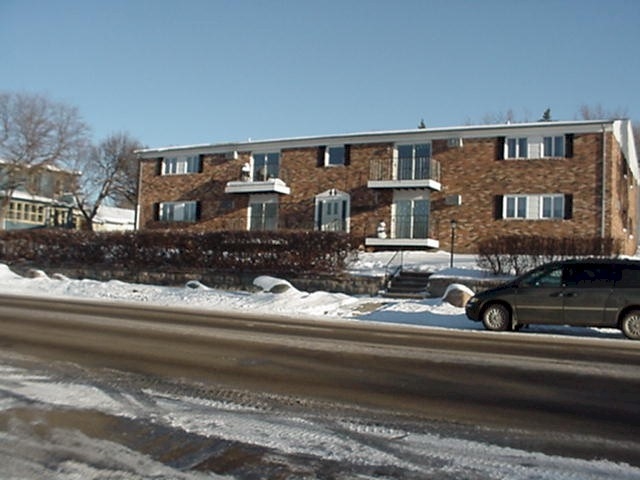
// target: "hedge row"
[[517, 254], [275, 252]]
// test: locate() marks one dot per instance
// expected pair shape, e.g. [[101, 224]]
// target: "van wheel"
[[496, 317], [630, 324]]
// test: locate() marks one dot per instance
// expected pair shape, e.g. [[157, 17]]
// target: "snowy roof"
[[114, 215], [467, 131], [48, 167]]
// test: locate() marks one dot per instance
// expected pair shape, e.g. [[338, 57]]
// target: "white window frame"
[[519, 144], [178, 211], [181, 165], [556, 146], [341, 203], [260, 201], [327, 155], [414, 159], [414, 223], [532, 206], [256, 177], [520, 202], [554, 200]]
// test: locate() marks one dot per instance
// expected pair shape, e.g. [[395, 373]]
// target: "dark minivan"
[[588, 293]]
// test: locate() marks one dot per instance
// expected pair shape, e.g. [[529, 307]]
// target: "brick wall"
[[475, 171]]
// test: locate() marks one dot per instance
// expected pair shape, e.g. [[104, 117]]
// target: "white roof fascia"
[[623, 133], [393, 136]]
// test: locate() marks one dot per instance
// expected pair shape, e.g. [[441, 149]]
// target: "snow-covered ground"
[[70, 453]]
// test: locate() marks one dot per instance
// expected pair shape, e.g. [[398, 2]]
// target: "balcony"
[[404, 231], [404, 173], [272, 185]]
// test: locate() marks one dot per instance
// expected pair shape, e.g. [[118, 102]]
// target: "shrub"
[[275, 252], [513, 255]]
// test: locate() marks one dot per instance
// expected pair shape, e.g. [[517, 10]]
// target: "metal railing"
[[421, 168]]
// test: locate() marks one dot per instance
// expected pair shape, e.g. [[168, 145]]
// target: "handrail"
[[387, 269]]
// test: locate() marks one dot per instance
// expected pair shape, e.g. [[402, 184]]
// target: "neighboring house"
[[401, 189], [110, 219], [38, 198]]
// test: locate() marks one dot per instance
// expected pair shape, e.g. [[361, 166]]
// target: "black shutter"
[[568, 145], [159, 166], [568, 206], [200, 163], [321, 154], [319, 207], [198, 211], [500, 148], [347, 154], [156, 211], [497, 207]]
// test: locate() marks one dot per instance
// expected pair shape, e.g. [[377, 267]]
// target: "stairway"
[[406, 284]]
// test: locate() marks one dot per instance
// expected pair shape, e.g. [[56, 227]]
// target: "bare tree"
[[35, 132], [109, 173]]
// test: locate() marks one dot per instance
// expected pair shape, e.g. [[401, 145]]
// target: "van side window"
[[590, 276], [629, 277], [545, 278]]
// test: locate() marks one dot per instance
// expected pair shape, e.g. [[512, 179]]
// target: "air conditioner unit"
[[454, 142], [453, 200]]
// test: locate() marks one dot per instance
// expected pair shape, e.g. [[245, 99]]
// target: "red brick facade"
[[472, 166]]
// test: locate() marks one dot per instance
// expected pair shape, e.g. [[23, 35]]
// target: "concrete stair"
[[406, 284]]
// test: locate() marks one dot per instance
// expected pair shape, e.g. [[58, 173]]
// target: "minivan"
[[589, 293]]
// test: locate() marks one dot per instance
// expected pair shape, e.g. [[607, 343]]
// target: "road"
[[552, 390]]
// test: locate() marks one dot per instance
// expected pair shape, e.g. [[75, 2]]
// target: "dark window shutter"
[[347, 154], [156, 211], [568, 145], [500, 148], [321, 154], [159, 166], [497, 207], [319, 207], [198, 211], [200, 163], [568, 206]]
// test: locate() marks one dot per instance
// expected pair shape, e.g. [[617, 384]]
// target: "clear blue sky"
[[203, 71]]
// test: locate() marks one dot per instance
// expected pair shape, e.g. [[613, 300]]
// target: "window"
[[544, 278], [535, 206], [517, 147], [265, 166], [334, 156], [181, 165], [515, 207], [553, 146], [178, 211], [263, 213], [332, 211], [552, 206], [413, 161], [410, 216]]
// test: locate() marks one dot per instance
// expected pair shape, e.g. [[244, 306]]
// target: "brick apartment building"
[[402, 189]]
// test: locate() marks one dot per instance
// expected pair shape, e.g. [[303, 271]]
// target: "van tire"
[[630, 324], [496, 317]]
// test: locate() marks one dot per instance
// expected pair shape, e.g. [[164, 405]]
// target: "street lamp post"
[[454, 224]]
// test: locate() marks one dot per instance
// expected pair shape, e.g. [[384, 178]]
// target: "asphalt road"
[[556, 390]]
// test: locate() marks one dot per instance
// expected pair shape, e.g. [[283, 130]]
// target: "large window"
[[553, 146], [413, 161], [265, 166], [263, 212], [517, 147], [531, 147], [181, 165], [411, 215], [178, 211], [536, 206]]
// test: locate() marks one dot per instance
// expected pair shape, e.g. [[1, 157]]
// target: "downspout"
[[136, 212], [604, 184]]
